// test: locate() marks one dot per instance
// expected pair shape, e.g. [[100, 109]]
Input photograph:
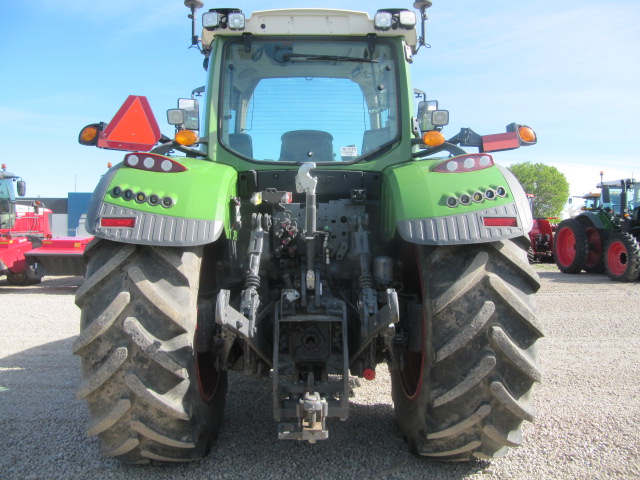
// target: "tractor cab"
[[620, 199], [7, 198], [7, 204], [591, 201]]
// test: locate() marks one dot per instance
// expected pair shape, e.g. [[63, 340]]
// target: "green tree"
[[547, 184]]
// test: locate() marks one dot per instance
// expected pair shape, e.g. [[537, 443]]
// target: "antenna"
[[193, 5], [422, 5]]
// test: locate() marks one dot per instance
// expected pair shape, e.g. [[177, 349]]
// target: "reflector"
[[500, 222], [118, 222], [134, 127]]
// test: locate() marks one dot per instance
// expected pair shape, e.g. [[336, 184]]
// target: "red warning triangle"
[[133, 127]]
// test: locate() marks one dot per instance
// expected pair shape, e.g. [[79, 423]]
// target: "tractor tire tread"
[[632, 248], [25, 278], [137, 354], [480, 349], [581, 247]]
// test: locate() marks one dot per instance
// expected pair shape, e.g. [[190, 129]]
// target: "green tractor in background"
[[309, 223], [604, 237]]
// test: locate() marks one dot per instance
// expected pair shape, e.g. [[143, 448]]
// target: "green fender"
[[598, 219], [196, 212], [415, 205]]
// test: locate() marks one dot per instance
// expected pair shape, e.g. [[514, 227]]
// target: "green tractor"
[[604, 237], [309, 223]]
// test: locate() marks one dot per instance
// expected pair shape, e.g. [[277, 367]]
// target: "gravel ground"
[[588, 406]]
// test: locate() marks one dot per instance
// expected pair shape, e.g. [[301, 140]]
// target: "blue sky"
[[570, 69]]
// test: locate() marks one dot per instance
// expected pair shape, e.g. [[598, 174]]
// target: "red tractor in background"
[[28, 250], [541, 237], [604, 237]]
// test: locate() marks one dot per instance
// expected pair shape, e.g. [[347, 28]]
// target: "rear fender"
[[598, 219], [416, 205], [196, 213]]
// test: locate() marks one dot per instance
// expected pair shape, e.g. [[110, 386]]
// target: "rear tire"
[[140, 370], [622, 257], [570, 246], [531, 256], [24, 278], [594, 258], [467, 392]]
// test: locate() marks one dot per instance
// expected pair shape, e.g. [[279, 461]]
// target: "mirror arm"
[[164, 139], [446, 146], [466, 138], [171, 145]]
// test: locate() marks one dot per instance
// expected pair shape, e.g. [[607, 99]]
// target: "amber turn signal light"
[[527, 134], [186, 137], [433, 138], [89, 135]]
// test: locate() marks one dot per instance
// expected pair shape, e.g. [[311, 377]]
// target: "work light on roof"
[[231, 18], [407, 19], [211, 20], [382, 20], [393, 19], [236, 21]]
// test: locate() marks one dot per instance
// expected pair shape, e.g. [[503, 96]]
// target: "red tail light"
[[500, 221], [465, 163], [153, 163], [129, 222]]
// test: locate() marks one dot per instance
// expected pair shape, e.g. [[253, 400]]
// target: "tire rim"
[[206, 373], [565, 247], [617, 258], [412, 373], [595, 247]]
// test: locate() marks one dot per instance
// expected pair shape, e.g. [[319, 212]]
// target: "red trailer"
[[28, 250]]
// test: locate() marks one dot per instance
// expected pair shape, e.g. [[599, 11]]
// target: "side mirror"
[[187, 114], [429, 117], [22, 188], [191, 113]]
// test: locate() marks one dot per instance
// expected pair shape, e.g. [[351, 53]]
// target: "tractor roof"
[[617, 183], [309, 21], [5, 174]]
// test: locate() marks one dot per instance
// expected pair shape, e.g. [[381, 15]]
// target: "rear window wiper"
[[325, 58]]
